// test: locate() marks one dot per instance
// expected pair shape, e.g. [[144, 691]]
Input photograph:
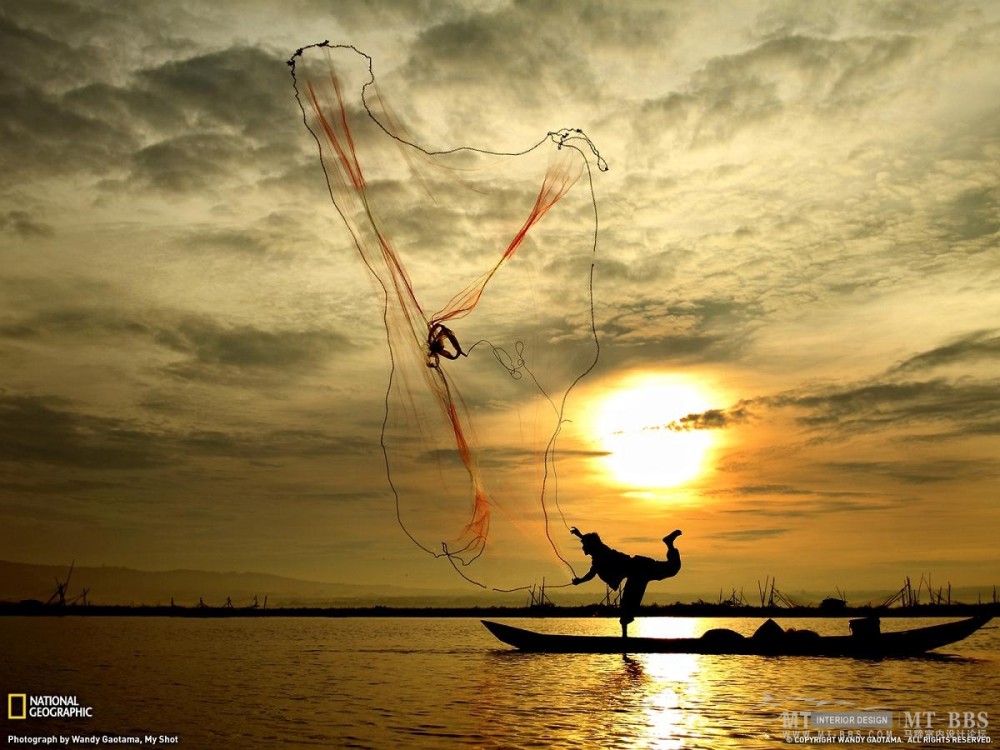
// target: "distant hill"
[[114, 585]]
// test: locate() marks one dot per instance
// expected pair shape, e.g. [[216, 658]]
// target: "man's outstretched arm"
[[590, 574]]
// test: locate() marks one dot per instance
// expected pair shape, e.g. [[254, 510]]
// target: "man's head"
[[591, 542]]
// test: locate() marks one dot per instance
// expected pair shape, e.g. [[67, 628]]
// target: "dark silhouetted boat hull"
[[901, 643]]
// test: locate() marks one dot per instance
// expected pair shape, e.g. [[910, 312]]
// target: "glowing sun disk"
[[648, 446]]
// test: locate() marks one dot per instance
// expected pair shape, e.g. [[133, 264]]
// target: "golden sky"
[[795, 291]]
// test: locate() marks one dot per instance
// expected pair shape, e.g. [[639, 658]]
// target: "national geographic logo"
[[24, 706]]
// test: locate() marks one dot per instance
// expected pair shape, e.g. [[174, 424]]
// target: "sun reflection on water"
[[672, 678], [680, 700], [659, 686]]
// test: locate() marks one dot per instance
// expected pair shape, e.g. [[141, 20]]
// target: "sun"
[[638, 425]]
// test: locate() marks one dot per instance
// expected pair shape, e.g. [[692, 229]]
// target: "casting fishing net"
[[482, 260]]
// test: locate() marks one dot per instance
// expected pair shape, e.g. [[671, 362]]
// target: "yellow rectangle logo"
[[17, 705]]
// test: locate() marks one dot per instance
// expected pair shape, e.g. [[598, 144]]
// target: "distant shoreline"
[[25, 609]]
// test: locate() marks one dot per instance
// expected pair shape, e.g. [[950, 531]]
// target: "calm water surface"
[[440, 683]]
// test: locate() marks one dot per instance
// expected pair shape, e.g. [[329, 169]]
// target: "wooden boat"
[[863, 643]]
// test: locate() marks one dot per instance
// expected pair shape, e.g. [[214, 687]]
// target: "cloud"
[[811, 75], [713, 419], [964, 350], [30, 58], [188, 164], [248, 347], [59, 487], [973, 214], [679, 330], [45, 430], [282, 242], [521, 53], [923, 471], [219, 119], [766, 489], [815, 504], [210, 350], [794, 501], [238, 90], [76, 322], [504, 457], [883, 404], [275, 444], [21, 224], [43, 138], [56, 432], [895, 399], [908, 15], [127, 108], [750, 535], [177, 125]]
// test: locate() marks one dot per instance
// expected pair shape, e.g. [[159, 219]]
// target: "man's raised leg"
[[669, 538]]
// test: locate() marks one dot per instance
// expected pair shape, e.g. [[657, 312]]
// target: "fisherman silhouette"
[[612, 567]]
